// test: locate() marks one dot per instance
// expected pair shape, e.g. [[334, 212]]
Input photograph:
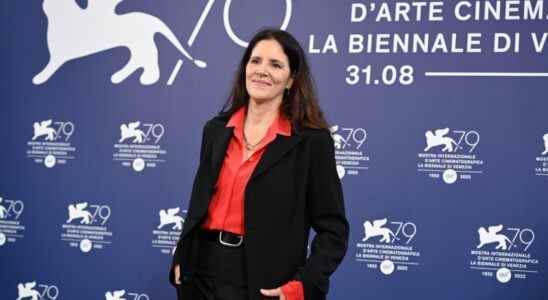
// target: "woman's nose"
[[262, 73], [261, 70]]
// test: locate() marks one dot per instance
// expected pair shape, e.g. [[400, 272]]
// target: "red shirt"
[[226, 208]]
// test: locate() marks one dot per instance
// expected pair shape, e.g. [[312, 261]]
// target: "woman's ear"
[[289, 83]]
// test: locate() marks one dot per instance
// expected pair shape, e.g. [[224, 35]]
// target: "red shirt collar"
[[280, 125]]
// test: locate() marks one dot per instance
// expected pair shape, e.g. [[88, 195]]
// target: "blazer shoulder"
[[216, 122], [320, 142], [219, 120], [314, 134]]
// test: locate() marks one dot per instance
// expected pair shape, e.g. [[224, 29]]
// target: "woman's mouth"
[[261, 83]]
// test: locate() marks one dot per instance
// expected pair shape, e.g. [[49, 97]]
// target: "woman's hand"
[[177, 271], [273, 293]]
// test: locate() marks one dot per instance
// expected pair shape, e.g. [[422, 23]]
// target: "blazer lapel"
[[275, 151]]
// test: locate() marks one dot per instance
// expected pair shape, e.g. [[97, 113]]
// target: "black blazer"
[[293, 188]]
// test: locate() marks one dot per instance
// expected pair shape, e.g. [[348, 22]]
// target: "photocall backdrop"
[[439, 120]]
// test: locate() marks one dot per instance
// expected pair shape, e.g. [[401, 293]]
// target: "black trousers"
[[221, 273]]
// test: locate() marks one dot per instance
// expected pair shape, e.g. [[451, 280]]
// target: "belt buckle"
[[229, 244]]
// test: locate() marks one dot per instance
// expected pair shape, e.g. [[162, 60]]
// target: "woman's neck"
[[262, 113]]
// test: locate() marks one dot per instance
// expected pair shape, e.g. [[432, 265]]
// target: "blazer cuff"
[[310, 284]]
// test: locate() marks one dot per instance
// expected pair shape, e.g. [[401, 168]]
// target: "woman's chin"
[[261, 97]]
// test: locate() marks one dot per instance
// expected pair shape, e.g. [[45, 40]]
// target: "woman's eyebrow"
[[274, 60]]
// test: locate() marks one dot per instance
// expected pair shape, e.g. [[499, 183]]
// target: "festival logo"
[[349, 151], [228, 27], [123, 295], [104, 29], [11, 228], [450, 155], [86, 226], [50, 143], [541, 169], [33, 291], [504, 253], [139, 145], [166, 234], [388, 246]]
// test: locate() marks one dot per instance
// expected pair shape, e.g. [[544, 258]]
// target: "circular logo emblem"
[[49, 161], [450, 176], [387, 267], [85, 245], [2, 239], [138, 164], [504, 275]]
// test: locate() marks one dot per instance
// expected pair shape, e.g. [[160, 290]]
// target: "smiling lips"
[[261, 83]]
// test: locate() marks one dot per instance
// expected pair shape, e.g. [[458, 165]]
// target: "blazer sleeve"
[[177, 255], [326, 212]]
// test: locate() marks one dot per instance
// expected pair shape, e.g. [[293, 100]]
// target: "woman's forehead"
[[269, 49]]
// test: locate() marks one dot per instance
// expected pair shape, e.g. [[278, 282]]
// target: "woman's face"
[[267, 72]]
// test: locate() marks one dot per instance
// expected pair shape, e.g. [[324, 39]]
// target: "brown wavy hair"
[[300, 104]]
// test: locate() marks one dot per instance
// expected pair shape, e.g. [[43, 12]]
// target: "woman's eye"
[[278, 66]]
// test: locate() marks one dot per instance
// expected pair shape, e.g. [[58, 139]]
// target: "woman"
[[267, 175]]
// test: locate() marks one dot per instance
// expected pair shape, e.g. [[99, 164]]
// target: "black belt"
[[224, 238]]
